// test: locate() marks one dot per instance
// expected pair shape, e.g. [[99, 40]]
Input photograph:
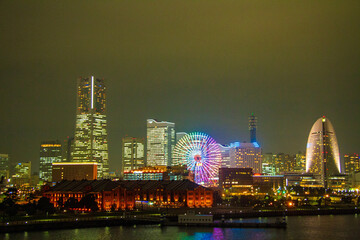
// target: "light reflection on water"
[[299, 227]]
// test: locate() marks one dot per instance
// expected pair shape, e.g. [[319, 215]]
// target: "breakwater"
[[287, 212], [219, 213], [171, 219], [70, 223], [229, 224]]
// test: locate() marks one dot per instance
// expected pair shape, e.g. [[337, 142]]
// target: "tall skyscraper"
[[252, 127], [50, 152], [160, 143], [225, 155], [90, 144], [322, 151], [246, 155], [133, 153], [67, 149]]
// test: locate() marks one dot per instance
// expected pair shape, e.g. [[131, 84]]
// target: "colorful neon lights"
[[201, 154]]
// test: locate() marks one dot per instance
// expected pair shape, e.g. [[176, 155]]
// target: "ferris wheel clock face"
[[201, 154]]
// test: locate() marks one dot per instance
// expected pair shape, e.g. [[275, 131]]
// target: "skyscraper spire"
[[252, 127]]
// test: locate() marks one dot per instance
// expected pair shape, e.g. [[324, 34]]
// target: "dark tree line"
[[9, 208], [88, 201]]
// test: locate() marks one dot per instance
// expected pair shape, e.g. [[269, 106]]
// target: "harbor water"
[[343, 227]]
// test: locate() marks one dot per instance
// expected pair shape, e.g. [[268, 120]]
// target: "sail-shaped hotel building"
[[322, 151]]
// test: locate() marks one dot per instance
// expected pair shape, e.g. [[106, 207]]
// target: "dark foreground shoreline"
[[171, 220]]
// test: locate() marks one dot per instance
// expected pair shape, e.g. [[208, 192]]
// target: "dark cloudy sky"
[[205, 65]]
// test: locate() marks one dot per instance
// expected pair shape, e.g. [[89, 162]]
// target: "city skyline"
[[179, 119], [205, 72]]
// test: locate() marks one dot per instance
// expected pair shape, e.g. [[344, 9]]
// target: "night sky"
[[205, 65]]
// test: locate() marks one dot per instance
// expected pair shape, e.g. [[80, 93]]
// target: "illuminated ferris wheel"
[[201, 154]]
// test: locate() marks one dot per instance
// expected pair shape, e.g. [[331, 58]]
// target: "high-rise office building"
[[160, 143], [252, 127], [50, 152], [67, 149], [179, 135], [22, 174], [74, 171], [133, 153], [322, 151], [246, 155], [352, 163], [225, 155], [268, 163], [90, 143], [285, 163], [4, 166], [300, 162]]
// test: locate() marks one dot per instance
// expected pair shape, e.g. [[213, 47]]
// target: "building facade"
[[235, 181], [268, 184], [354, 180], [268, 164], [132, 194], [145, 174], [352, 163], [225, 155], [50, 152], [67, 149], [22, 174], [158, 173], [300, 162], [90, 143], [246, 155], [160, 143], [284, 163], [322, 151], [179, 135], [133, 153], [4, 166], [74, 171]]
